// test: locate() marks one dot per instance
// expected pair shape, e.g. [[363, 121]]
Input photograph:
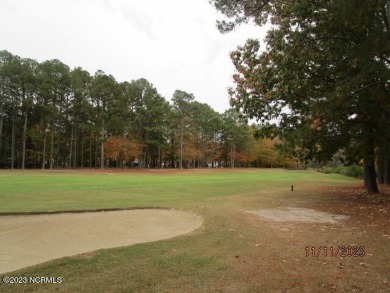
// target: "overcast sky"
[[174, 44]]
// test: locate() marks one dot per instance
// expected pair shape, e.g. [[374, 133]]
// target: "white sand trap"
[[287, 214], [32, 239]]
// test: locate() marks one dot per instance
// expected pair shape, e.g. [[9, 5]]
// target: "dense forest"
[[52, 116]]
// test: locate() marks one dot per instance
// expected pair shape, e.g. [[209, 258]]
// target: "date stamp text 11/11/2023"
[[334, 251]]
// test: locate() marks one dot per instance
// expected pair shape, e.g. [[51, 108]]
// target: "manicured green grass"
[[72, 190], [231, 252]]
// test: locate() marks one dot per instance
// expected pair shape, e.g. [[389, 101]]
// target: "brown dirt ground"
[[367, 225], [31, 239], [287, 214]]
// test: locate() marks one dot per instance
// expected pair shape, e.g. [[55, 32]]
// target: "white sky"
[[174, 44]]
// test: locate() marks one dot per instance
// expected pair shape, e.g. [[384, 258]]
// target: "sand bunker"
[[31, 239], [287, 214]]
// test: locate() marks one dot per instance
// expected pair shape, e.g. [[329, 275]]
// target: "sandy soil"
[[31, 239], [288, 214]]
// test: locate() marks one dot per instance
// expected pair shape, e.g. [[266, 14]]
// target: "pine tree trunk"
[[370, 177], [159, 157], [44, 148], [58, 161], [145, 157], [381, 166], [13, 142], [71, 149], [172, 156], [75, 148], [52, 148], [102, 151], [24, 141], [369, 167], [90, 152], [82, 150], [386, 179], [96, 154], [181, 147]]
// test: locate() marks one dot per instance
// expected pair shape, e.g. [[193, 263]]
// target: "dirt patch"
[[31, 239], [288, 214]]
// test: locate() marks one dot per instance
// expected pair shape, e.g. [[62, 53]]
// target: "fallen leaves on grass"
[[356, 288]]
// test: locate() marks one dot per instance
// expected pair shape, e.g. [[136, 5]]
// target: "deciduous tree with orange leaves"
[[121, 149]]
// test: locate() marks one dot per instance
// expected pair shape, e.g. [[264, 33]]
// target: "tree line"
[[322, 83], [52, 116]]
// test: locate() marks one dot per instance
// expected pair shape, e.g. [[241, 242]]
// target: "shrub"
[[351, 171]]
